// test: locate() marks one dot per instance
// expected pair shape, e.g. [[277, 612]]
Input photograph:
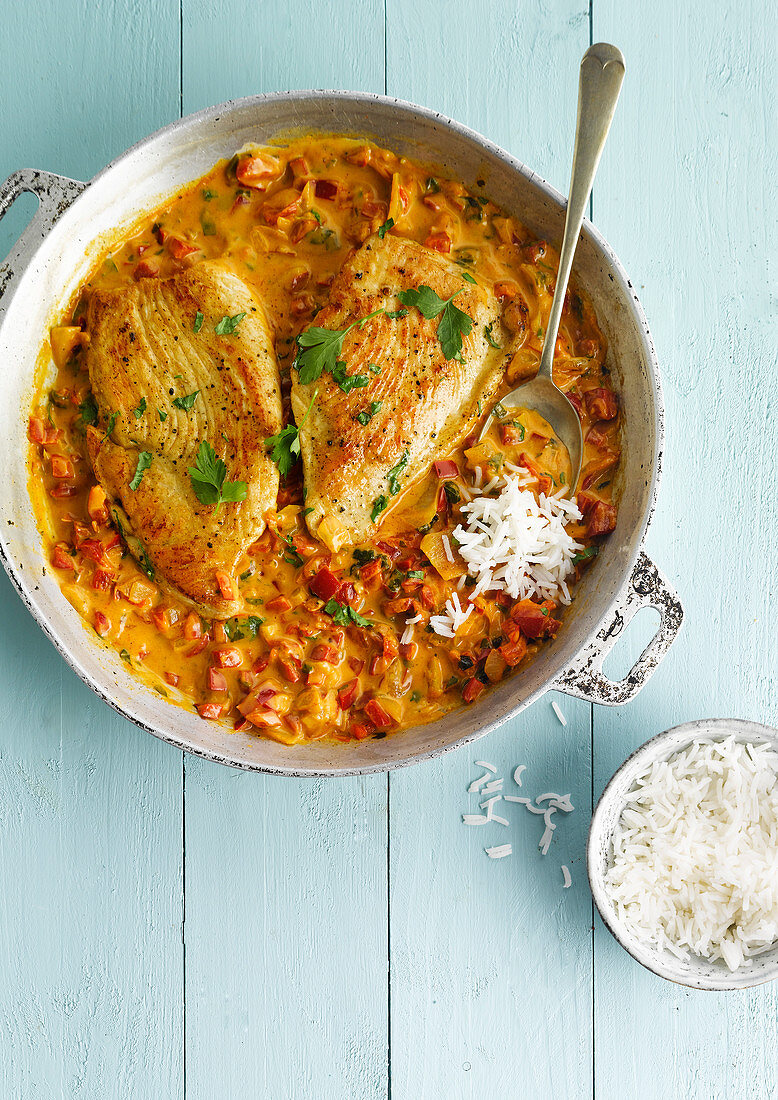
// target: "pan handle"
[[55, 194], [646, 588]]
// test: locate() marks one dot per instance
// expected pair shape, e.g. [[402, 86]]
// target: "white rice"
[[448, 623], [500, 851], [519, 544], [694, 857], [567, 878], [558, 712]]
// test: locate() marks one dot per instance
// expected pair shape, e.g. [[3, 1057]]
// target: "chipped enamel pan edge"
[[53, 257]]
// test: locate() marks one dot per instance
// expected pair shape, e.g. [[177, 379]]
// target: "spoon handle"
[[602, 73]]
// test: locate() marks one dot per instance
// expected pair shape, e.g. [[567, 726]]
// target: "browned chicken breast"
[[175, 364], [410, 404]]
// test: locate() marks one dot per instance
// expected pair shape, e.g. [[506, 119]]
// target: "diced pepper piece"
[[325, 584], [257, 170], [445, 468], [434, 546], [371, 570], [347, 694], [278, 603], [377, 715], [326, 189], [514, 652], [102, 624], [601, 519], [161, 619], [193, 627], [362, 730], [60, 491], [601, 403], [36, 430], [290, 670], [209, 710], [146, 269], [227, 585], [439, 242], [510, 435], [505, 291], [179, 249], [102, 580], [227, 657], [172, 678], [61, 467], [96, 506], [472, 690], [534, 619], [60, 557], [326, 653], [263, 718], [217, 681], [594, 470]]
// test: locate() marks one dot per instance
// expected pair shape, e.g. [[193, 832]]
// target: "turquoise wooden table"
[[172, 928]]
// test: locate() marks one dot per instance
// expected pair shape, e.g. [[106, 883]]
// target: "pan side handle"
[[54, 193], [646, 588]]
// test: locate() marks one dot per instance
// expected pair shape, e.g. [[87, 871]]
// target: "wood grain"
[[286, 931], [90, 813], [684, 200], [351, 938]]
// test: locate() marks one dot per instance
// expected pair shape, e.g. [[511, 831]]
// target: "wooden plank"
[[286, 984], [491, 960], [683, 198], [90, 847]]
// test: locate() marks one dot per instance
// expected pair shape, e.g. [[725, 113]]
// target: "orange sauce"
[[284, 219]]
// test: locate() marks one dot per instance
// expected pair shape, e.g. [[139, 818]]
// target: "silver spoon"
[[602, 72]]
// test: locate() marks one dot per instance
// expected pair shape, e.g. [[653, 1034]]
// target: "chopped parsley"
[[383, 229], [394, 474], [198, 321], [208, 194], [87, 411], [432, 185], [145, 459], [320, 348], [453, 495], [348, 382], [586, 555], [367, 414], [208, 479], [138, 413], [286, 443], [236, 628], [373, 368], [343, 614], [453, 324], [379, 505], [469, 278], [162, 416], [125, 656], [228, 325], [186, 402], [146, 564], [415, 574], [490, 338]]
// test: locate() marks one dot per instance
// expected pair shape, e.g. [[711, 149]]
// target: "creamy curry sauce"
[[285, 218]]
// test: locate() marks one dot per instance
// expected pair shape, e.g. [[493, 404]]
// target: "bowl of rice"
[[683, 854]]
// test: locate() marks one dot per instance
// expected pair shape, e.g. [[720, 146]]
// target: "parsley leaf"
[[138, 413], [145, 459], [415, 574], [373, 368], [490, 338], [111, 424], [348, 382], [586, 555], [396, 314], [379, 504], [453, 325], [236, 628], [228, 325], [343, 614], [469, 278], [186, 402], [320, 349], [286, 443], [146, 564], [394, 474], [367, 414], [382, 230], [162, 416], [432, 185], [87, 411], [208, 475], [198, 322]]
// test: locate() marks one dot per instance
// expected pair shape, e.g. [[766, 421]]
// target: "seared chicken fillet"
[[143, 354], [417, 405]]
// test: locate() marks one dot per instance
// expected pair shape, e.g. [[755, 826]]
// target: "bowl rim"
[[675, 739], [182, 127]]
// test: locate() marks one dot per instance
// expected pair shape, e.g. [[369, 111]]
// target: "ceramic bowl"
[[696, 972]]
